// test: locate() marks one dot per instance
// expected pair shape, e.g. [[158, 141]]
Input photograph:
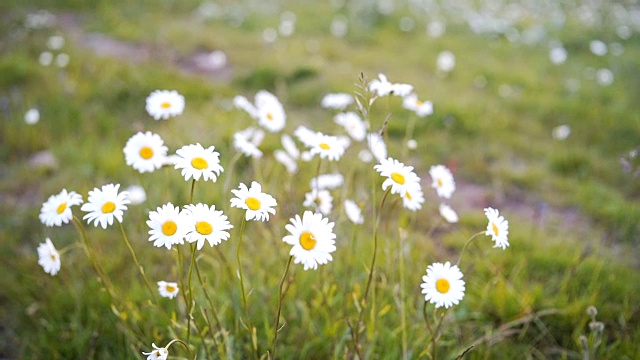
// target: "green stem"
[[244, 296], [184, 344], [190, 303], [467, 244], [407, 135], [280, 297], [193, 185], [135, 260], [230, 167], [375, 248], [206, 294], [180, 259]]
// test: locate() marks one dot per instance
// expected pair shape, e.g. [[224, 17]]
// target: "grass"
[[530, 299]]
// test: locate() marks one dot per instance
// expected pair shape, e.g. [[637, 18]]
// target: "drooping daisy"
[[413, 198], [400, 177], [168, 226], [289, 163], [145, 152], [196, 161], [337, 101], [306, 136], [290, 146], [351, 122], [163, 104], [448, 213], [206, 223], [497, 228], [327, 181], [443, 285], [244, 104], [104, 204], [57, 209], [242, 143], [258, 204], [48, 257], [421, 108], [271, 114], [353, 212], [312, 239], [442, 181], [382, 87], [327, 147], [157, 353], [168, 289], [319, 199], [377, 146]]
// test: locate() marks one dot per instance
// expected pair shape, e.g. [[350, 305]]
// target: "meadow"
[[536, 115]]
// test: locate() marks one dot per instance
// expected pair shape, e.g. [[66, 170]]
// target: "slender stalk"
[[184, 344], [135, 260], [467, 244], [193, 185], [230, 167], [184, 291], [244, 296], [407, 135], [403, 320], [206, 294], [280, 297], [190, 303]]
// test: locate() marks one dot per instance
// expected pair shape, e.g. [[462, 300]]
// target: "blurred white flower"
[[561, 132], [48, 257], [45, 58], [598, 47], [446, 61], [137, 195], [338, 101], [351, 122], [32, 116], [604, 77], [55, 42], [353, 212], [327, 181], [558, 55]]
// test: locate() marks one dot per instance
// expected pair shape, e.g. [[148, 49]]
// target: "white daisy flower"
[[446, 61], [343, 140], [32, 116], [353, 212], [443, 285], [421, 108], [448, 213], [382, 87], [242, 103], [163, 104], [137, 195], [377, 146], [258, 204], [312, 239], [327, 181], [442, 181], [157, 353], [306, 136], [365, 156], [413, 198], [327, 147], [497, 228], [48, 257], [145, 152], [306, 156], [206, 223], [196, 161], [401, 178], [271, 114], [168, 226], [242, 143], [104, 204], [337, 101], [319, 199], [168, 290], [290, 146], [57, 209], [289, 163], [353, 124]]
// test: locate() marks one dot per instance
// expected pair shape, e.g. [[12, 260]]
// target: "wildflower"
[[242, 103], [421, 108], [196, 161], [338, 101], [306, 136], [327, 181], [48, 257], [365, 156], [168, 226], [267, 110], [400, 177], [137, 195], [443, 285], [57, 209], [353, 212], [289, 163], [145, 152], [497, 228], [163, 104], [413, 198], [320, 199], [290, 146], [104, 204], [446, 61], [382, 87], [448, 213], [32, 116], [247, 142], [312, 239], [377, 146], [561, 132], [351, 122], [412, 144], [158, 353], [258, 204], [168, 289], [206, 223], [442, 181], [327, 147]]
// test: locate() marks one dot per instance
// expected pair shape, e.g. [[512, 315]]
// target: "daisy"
[[400, 177], [32, 116], [206, 223], [382, 87], [443, 285], [267, 110], [353, 124], [158, 353], [168, 289], [57, 209], [137, 195], [413, 198], [196, 161], [442, 181], [448, 213], [319, 199], [242, 143], [377, 146], [353, 212], [497, 228], [312, 239], [289, 163], [421, 108], [242, 103], [104, 204], [48, 257], [145, 152], [290, 146], [338, 101], [306, 136], [163, 104], [168, 226], [327, 147], [258, 204], [327, 181], [365, 156]]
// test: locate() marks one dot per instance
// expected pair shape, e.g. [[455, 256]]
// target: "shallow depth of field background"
[[573, 204]]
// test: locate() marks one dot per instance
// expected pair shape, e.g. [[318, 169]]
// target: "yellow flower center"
[[324, 146], [439, 181], [399, 178], [203, 228], [252, 203], [407, 195], [443, 286], [61, 208], [307, 240], [108, 207], [495, 228], [169, 228], [269, 116], [170, 288], [146, 153], [53, 257], [165, 105], [418, 103], [199, 163]]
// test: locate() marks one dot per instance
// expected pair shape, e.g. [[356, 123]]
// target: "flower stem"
[[467, 244], [184, 344], [244, 296], [193, 185], [280, 297], [190, 302], [135, 260]]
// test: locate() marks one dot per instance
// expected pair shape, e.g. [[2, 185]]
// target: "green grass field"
[[573, 210]]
